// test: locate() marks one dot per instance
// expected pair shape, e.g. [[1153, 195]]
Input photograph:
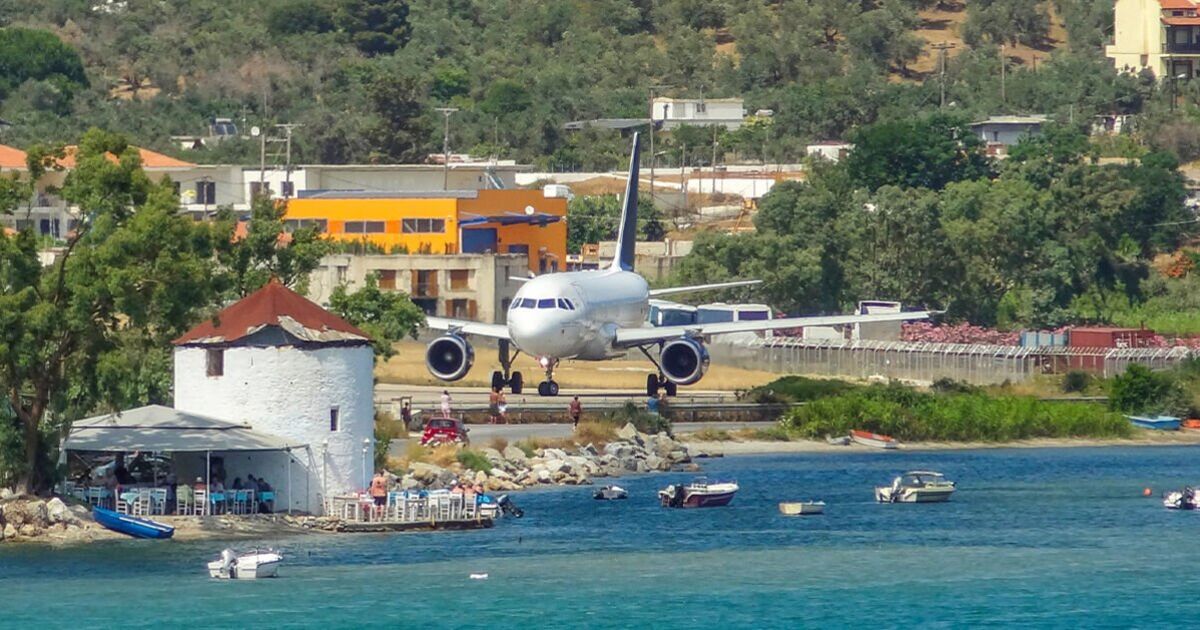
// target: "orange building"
[[510, 221]]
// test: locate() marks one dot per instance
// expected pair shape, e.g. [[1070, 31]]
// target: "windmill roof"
[[274, 306]]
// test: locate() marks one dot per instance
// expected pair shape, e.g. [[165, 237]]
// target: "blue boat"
[[132, 525], [1160, 423]]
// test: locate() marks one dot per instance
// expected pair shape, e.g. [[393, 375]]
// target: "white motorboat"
[[1185, 499], [610, 493], [916, 486], [251, 566], [875, 440], [699, 493], [802, 508]]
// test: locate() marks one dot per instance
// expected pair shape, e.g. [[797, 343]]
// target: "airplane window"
[[563, 304], [546, 303], [570, 305], [527, 303]]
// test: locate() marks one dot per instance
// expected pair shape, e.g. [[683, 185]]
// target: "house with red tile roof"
[[1161, 36]]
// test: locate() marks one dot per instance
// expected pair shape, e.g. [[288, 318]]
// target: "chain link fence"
[[927, 362]]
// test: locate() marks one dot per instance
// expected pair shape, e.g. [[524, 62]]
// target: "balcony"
[[1190, 48]]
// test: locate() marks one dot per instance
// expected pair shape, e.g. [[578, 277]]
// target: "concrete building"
[[466, 286], [833, 151], [653, 259], [287, 368], [1000, 132], [669, 113], [447, 222], [1162, 36]]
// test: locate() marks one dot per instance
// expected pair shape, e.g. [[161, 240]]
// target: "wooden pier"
[[411, 512]]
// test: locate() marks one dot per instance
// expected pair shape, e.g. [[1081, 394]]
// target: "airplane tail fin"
[[627, 236]]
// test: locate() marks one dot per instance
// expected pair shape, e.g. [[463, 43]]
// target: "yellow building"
[[1162, 36], [445, 222]]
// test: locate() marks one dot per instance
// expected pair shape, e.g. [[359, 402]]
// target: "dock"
[[405, 511]]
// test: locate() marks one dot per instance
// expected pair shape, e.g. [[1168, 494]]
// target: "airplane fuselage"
[[576, 315]]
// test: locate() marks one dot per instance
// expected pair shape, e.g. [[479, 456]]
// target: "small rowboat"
[[131, 525], [1191, 423], [802, 508], [1158, 423], [877, 440]]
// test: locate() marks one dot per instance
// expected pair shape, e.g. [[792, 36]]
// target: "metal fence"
[[926, 362]]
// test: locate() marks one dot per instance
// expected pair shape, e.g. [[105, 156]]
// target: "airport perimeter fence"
[[977, 364]]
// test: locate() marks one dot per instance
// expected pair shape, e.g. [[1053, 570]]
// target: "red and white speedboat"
[[877, 440], [698, 493]]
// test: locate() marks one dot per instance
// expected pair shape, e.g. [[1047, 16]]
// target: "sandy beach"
[[753, 447]]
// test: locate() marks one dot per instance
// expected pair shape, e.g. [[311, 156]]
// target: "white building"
[[833, 151], [1000, 132], [285, 367], [675, 112], [1162, 36]]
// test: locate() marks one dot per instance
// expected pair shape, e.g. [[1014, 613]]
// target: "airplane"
[[601, 314]]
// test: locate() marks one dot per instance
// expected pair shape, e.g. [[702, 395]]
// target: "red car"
[[444, 431]]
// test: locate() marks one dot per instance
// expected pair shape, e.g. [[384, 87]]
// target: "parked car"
[[444, 431]]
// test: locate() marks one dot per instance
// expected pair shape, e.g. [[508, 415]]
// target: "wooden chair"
[[200, 502]]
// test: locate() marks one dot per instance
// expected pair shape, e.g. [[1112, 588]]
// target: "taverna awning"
[[163, 429]]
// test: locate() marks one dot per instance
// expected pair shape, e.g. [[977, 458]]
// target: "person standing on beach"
[[576, 410], [446, 403]]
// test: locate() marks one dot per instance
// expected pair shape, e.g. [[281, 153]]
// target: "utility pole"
[[653, 155], [287, 173], [446, 112], [942, 48], [1003, 63], [714, 160]]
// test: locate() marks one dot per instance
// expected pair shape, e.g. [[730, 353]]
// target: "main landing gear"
[[512, 379], [656, 381]]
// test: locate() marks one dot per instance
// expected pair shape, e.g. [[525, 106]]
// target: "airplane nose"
[[540, 334]]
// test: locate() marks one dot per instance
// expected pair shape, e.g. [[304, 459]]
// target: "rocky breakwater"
[[513, 468], [25, 519]]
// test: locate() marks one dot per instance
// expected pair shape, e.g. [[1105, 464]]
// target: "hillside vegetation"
[[363, 76]]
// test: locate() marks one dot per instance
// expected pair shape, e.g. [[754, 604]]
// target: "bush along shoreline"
[[952, 416]]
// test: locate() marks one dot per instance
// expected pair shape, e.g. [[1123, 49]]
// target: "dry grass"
[[408, 367], [529, 445], [595, 433], [443, 455], [711, 435], [498, 443]]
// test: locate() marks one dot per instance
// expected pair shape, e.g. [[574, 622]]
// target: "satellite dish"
[[530, 210], [255, 131]]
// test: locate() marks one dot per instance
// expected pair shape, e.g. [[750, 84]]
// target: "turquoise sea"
[[1034, 538]]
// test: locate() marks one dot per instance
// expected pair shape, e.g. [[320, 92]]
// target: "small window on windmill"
[[333, 419], [215, 360]]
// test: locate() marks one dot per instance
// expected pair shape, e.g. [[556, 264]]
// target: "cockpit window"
[[565, 304], [525, 303], [545, 303]]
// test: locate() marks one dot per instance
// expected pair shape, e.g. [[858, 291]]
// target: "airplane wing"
[[495, 331], [703, 287], [632, 337]]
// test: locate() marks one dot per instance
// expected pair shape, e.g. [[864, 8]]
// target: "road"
[[429, 397], [481, 434]]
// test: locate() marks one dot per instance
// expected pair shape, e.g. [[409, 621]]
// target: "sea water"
[[1033, 538]]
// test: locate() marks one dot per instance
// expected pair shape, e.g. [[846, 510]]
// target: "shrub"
[[946, 385], [798, 389], [1141, 390], [474, 460], [593, 432], [387, 428], [443, 455], [645, 421], [712, 435], [1076, 381], [774, 433], [911, 415], [498, 443]]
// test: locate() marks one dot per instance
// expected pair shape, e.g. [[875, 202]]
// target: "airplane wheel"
[[542, 389], [516, 383], [671, 388], [551, 388], [497, 380], [651, 384]]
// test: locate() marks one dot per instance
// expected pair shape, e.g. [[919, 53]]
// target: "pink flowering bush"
[[957, 333]]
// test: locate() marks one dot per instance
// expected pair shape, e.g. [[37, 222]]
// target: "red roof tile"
[[11, 158], [1177, 4], [273, 305], [150, 159], [1181, 21]]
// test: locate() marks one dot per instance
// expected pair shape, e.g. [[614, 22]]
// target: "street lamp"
[[653, 157], [325, 469], [365, 448], [1175, 79], [446, 112]]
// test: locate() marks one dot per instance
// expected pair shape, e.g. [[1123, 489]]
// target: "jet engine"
[[449, 357], [684, 360]]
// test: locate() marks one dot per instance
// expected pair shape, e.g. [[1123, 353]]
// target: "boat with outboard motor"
[[610, 493], [132, 525], [250, 566], [916, 486], [802, 508], [875, 440], [1186, 499], [699, 493]]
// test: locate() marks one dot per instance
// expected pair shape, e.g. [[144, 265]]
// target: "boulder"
[[58, 512], [10, 531], [543, 476], [588, 451], [500, 473], [653, 462], [480, 477], [426, 473], [678, 456], [554, 453], [514, 454], [409, 482], [492, 455], [555, 465], [628, 432], [20, 513], [28, 530], [6, 494]]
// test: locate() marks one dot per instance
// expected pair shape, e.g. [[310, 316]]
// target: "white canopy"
[[163, 429]]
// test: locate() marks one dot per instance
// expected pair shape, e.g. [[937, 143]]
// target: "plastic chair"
[[143, 502], [158, 500], [200, 502]]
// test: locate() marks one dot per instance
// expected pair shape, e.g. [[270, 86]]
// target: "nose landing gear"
[[513, 379], [548, 387]]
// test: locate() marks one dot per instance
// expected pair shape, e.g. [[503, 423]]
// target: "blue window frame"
[[545, 303]]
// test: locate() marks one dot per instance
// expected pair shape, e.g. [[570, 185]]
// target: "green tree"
[[267, 250], [387, 316], [929, 152], [1140, 390], [376, 27], [33, 55], [595, 218], [1006, 21], [292, 17]]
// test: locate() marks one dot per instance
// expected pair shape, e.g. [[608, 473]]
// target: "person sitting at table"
[[171, 481], [237, 484], [121, 472], [199, 485]]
